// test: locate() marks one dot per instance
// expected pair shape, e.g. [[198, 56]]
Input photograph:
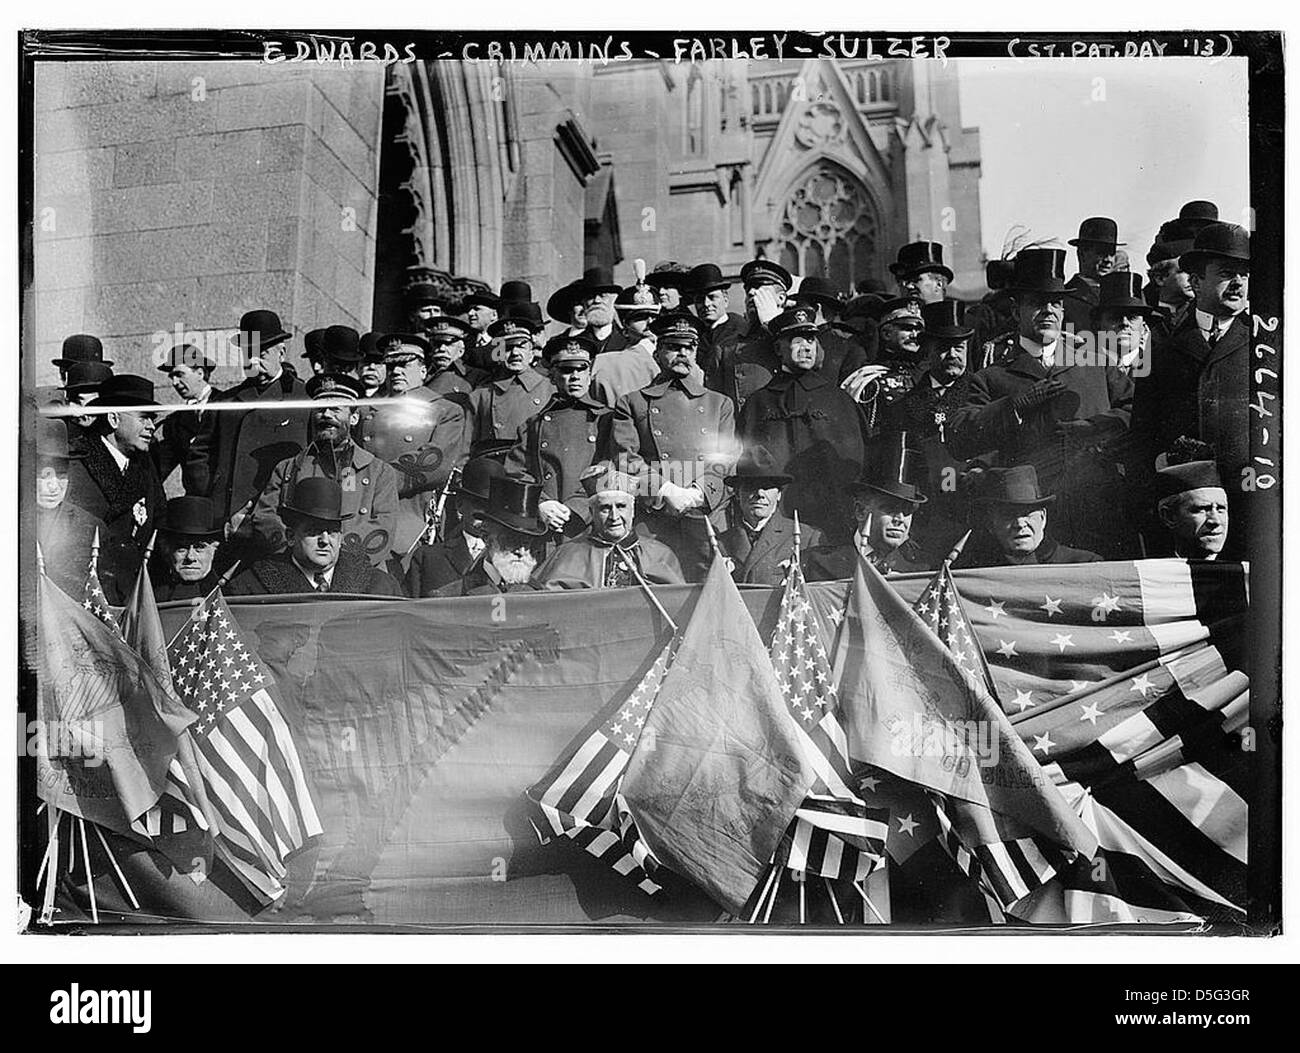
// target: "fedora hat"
[[764, 272], [943, 320], [125, 389], [86, 376], [757, 467], [260, 329], [186, 355], [314, 498], [1038, 270], [1122, 291], [817, 291], [704, 278], [1017, 485], [52, 441], [1218, 241], [560, 304], [81, 347], [190, 516], [920, 257], [668, 274], [893, 468], [597, 280], [512, 502], [1098, 230]]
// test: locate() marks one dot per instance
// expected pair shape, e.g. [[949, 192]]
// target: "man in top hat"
[[449, 372], [436, 565], [423, 302], [1012, 509], [811, 427], [761, 543], [745, 363], [885, 500], [369, 487], [610, 554], [897, 361], [1097, 249], [920, 271], [1199, 384], [231, 462], [708, 293], [561, 442], [185, 559], [190, 371], [1121, 321], [516, 391], [79, 349], [65, 532], [315, 558], [1192, 505], [596, 296], [684, 434], [671, 282], [81, 389], [116, 481], [514, 538]]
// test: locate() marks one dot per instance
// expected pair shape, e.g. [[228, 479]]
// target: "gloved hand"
[[554, 513], [679, 499], [857, 382], [1042, 391]]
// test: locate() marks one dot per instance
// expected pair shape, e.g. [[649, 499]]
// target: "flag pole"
[[52, 820], [116, 869], [645, 586], [867, 900], [148, 549], [713, 536], [951, 557], [771, 876], [834, 902], [90, 878], [772, 902]]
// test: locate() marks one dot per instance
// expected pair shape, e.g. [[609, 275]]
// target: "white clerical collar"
[[119, 457], [1045, 353], [310, 575], [1209, 323]]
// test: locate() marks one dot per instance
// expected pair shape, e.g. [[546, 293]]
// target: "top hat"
[[478, 473], [125, 389], [493, 448], [445, 329], [190, 516], [518, 318], [86, 376], [186, 355], [818, 291], [705, 278], [757, 467], [341, 343], [81, 347], [314, 497], [1039, 270], [570, 347], [1017, 485], [512, 502], [668, 274], [369, 345], [603, 477], [260, 329], [311, 344], [1097, 230], [421, 293], [677, 327], [52, 440], [795, 320], [403, 347], [516, 292], [596, 280], [1122, 291], [998, 273], [920, 257], [943, 320], [1218, 241], [1191, 475], [765, 272], [1196, 214], [560, 304], [334, 386], [892, 468]]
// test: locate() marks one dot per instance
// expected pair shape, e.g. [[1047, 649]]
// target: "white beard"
[[513, 571]]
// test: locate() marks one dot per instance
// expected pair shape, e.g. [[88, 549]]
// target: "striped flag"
[[580, 797], [245, 752], [94, 599], [834, 833]]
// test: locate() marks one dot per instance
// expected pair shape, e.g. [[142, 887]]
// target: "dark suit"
[[179, 429], [983, 551], [728, 332], [1081, 298], [231, 461], [760, 559], [434, 566], [279, 575], [743, 364], [836, 562]]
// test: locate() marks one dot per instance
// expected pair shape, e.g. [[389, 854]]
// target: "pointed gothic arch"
[[828, 226]]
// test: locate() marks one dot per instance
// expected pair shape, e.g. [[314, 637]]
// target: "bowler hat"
[[516, 292], [676, 327], [1218, 241], [260, 329], [81, 347], [481, 298], [513, 501], [341, 343], [1017, 485], [190, 516], [1191, 475], [478, 473], [920, 257], [86, 376], [313, 344], [757, 467], [764, 272], [369, 346], [795, 320], [186, 355], [1121, 291], [125, 389], [334, 386], [1038, 270], [704, 278], [561, 302], [1196, 214], [52, 440], [818, 291], [668, 274], [314, 497], [596, 280], [943, 320], [422, 293], [1097, 230], [893, 468]]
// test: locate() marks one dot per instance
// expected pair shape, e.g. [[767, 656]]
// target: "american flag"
[[94, 599], [834, 832], [580, 798], [245, 750], [941, 608]]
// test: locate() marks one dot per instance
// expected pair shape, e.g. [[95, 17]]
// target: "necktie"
[[321, 584]]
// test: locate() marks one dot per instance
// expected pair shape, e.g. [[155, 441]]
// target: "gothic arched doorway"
[[828, 228]]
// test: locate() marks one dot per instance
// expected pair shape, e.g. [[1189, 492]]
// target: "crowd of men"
[[647, 427]]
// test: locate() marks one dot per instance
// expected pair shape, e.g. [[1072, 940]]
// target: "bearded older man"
[[514, 537]]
